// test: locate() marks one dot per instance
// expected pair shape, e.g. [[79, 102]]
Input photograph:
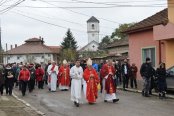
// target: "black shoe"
[[105, 101], [163, 94], [23, 94], [146, 95], [150, 92], [115, 100], [77, 104], [142, 93], [30, 91], [160, 96], [91, 103]]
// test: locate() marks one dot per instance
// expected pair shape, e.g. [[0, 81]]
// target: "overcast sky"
[[17, 24]]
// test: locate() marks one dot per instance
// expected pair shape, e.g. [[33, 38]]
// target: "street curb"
[[139, 91], [28, 105]]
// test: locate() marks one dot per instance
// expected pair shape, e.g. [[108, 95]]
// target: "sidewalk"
[[139, 91], [10, 106]]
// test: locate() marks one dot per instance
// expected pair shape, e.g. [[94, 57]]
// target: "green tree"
[[104, 42], [69, 47], [68, 54], [117, 34], [69, 41]]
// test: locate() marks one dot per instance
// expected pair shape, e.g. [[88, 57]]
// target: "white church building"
[[93, 35]]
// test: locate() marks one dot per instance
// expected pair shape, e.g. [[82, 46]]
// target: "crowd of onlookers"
[[11, 75], [22, 76]]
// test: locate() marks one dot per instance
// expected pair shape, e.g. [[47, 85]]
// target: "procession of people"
[[84, 77]]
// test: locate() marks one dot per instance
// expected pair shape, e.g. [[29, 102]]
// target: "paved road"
[[130, 104], [10, 106]]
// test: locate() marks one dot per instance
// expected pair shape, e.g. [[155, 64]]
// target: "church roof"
[[83, 48], [92, 19]]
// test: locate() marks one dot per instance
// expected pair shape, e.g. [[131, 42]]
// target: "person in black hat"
[[147, 72]]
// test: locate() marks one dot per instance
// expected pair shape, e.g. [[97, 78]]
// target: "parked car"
[[170, 78]]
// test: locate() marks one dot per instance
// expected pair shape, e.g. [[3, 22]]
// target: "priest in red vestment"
[[64, 76], [107, 73], [91, 77]]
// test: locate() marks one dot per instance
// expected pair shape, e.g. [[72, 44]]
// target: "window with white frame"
[[149, 52]]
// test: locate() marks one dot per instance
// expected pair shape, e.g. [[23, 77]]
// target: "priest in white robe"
[[52, 76], [76, 74]]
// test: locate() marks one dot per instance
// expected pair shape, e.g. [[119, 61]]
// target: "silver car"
[[170, 78]]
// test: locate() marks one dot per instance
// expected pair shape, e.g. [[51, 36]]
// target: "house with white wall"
[[32, 51]]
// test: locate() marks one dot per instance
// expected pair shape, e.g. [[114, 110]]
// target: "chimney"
[[11, 47], [16, 45], [171, 10], [40, 37], [6, 47]]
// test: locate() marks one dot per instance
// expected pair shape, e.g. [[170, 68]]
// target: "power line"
[[80, 1], [12, 6], [52, 18], [79, 12], [56, 25], [89, 7], [104, 3], [55, 18], [3, 2]]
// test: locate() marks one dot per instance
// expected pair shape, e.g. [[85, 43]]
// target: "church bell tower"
[[93, 29]]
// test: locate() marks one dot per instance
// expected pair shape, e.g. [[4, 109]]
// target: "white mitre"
[[65, 62], [89, 62]]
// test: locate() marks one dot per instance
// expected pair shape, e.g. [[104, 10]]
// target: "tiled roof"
[[34, 48], [93, 19], [148, 23], [117, 43], [55, 48]]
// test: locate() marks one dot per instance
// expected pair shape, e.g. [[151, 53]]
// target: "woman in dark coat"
[[1, 80], [9, 79], [161, 78]]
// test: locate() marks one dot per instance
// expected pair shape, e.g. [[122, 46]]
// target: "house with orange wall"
[[153, 37]]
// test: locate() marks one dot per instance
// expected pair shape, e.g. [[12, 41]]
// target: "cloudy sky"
[[50, 19]]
